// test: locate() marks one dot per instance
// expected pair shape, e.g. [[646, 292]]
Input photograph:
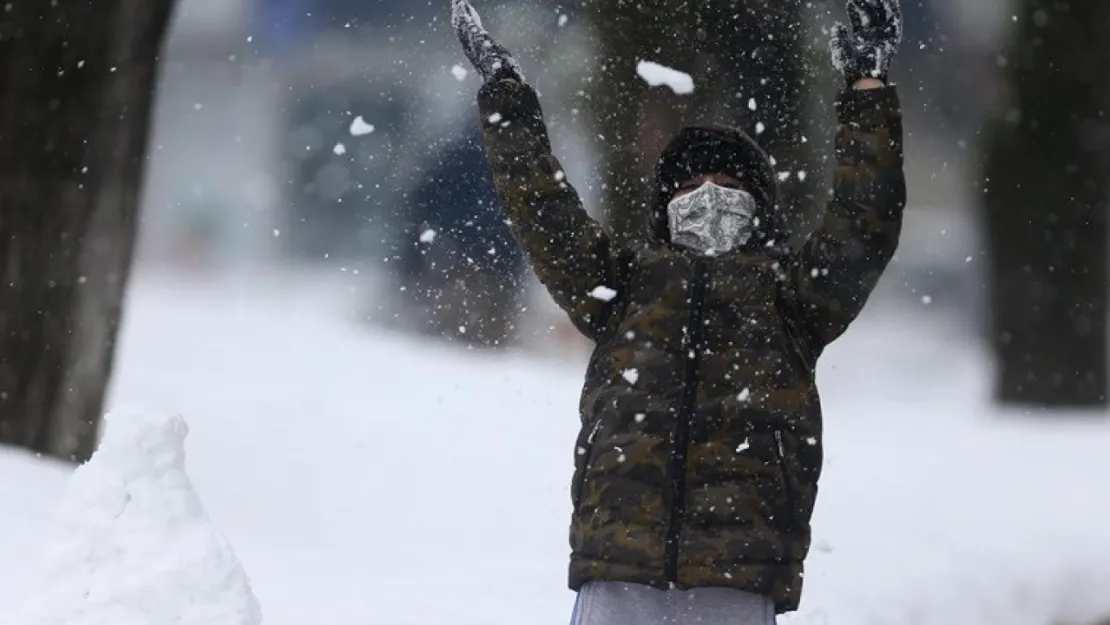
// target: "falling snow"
[[359, 127], [603, 293], [631, 375], [655, 75]]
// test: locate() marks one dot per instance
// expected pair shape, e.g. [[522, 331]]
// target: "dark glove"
[[866, 52], [492, 60]]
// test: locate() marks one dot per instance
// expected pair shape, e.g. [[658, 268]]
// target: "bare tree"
[[748, 59], [1045, 194], [77, 82]]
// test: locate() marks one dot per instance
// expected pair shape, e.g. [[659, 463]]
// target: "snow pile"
[[134, 546], [655, 74]]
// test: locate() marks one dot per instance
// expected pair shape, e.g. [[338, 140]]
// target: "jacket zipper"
[[698, 287], [791, 503]]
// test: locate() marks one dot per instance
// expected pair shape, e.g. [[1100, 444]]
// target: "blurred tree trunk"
[[1046, 187], [77, 81], [738, 52]]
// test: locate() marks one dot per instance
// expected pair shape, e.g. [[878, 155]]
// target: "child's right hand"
[[492, 60]]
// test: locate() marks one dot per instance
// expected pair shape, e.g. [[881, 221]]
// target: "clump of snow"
[[459, 72], [339, 149], [655, 74], [134, 546], [631, 375], [428, 236], [359, 127], [603, 293]]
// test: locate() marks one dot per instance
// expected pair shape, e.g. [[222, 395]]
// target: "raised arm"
[[570, 252], [838, 267]]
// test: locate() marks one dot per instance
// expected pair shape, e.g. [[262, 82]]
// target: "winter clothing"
[[700, 446], [618, 603], [706, 150], [867, 50], [490, 58]]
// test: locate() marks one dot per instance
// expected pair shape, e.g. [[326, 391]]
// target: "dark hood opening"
[[698, 150]]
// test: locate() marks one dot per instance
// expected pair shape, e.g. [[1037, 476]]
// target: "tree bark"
[[77, 82], [737, 52], [1045, 197]]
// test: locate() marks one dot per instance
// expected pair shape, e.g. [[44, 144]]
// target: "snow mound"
[[133, 544], [655, 74]]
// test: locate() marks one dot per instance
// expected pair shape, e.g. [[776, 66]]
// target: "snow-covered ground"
[[364, 478]]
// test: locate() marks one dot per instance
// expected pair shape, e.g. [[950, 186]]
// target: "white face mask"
[[712, 219]]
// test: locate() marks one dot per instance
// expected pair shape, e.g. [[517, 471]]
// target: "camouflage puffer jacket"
[[700, 447]]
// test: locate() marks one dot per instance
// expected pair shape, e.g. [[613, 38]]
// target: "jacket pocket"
[[583, 450], [791, 494]]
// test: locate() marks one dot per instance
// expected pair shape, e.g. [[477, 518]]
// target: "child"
[[697, 463]]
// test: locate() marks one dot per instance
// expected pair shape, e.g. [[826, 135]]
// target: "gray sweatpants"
[[618, 603]]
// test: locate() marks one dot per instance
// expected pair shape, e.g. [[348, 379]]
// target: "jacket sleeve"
[[838, 267], [569, 251]]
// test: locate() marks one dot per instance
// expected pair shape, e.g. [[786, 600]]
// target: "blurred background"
[[256, 163]]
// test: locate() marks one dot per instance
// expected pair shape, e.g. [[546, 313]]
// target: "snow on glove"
[[492, 60], [866, 51]]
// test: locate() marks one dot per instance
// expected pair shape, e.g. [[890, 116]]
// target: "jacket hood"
[[698, 150]]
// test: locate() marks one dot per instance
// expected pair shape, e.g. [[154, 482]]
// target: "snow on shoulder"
[[655, 74], [132, 543]]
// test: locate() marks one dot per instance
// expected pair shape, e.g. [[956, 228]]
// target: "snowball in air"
[[428, 236], [459, 72], [603, 293], [631, 375], [339, 149], [359, 127], [655, 74]]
